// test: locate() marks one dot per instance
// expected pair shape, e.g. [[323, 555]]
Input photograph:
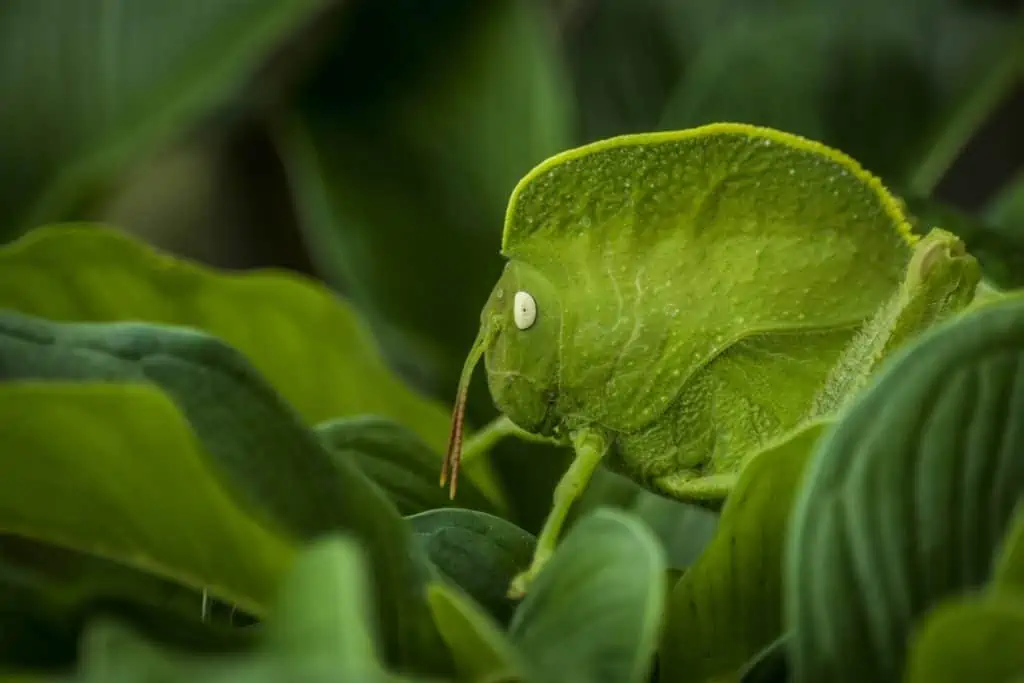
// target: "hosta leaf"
[[272, 462], [971, 638], [594, 611], [728, 606], [398, 461], [907, 501], [481, 650], [96, 83], [401, 177], [479, 552], [114, 470]]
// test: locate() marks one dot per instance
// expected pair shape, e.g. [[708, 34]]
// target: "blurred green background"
[[374, 143]]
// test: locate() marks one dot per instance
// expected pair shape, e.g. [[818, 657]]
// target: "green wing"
[[668, 248]]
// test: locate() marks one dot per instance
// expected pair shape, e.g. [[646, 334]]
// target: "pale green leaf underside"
[[114, 470]]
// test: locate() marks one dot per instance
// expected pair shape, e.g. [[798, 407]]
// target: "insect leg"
[[590, 448], [708, 490]]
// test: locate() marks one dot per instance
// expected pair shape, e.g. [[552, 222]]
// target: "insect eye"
[[524, 310]]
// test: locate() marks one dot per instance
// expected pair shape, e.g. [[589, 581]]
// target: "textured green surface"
[[907, 501], [693, 289], [114, 470]]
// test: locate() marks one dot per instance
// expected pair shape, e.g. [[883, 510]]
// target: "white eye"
[[524, 310]]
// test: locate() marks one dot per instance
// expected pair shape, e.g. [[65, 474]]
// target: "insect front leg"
[[590, 448]]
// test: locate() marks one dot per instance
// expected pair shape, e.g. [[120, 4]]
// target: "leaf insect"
[[673, 301]]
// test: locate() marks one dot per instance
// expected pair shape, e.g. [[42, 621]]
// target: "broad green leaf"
[[906, 502], [977, 638], [98, 83], [479, 552], [324, 609], [113, 470], [273, 464], [401, 176], [481, 650], [398, 461], [728, 606], [594, 611]]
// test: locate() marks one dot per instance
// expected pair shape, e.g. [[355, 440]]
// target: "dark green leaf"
[[257, 444], [481, 650], [480, 553], [728, 606], [593, 614], [971, 638], [398, 461], [402, 173], [906, 502], [96, 83]]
